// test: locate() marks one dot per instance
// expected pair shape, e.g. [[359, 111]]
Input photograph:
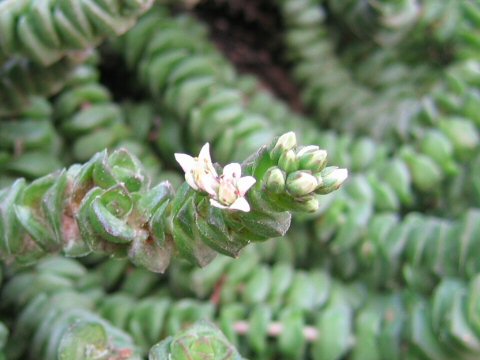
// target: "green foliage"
[[417, 250], [47, 30], [30, 145], [21, 79], [88, 119], [383, 267], [57, 319], [202, 342], [194, 83], [107, 205]]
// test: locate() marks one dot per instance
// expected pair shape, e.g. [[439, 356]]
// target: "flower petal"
[[240, 204], [208, 183], [215, 203], [205, 153], [308, 148], [205, 160], [186, 162], [245, 183], [233, 170], [191, 181], [212, 170], [340, 175]]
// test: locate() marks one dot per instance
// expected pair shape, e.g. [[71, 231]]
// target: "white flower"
[[226, 191], [199, 171], [232, 189]]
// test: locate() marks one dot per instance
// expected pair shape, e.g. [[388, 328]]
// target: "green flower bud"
[[312, 158], [330, 179], [310, 204], [301, 183], [284, 143], [288, 161], [275, 180]]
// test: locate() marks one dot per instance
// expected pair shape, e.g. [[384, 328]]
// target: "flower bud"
[[284, 143], [288, 161], [311, 205], [275, 180], [312, 158], [301, 183], [331, 179]]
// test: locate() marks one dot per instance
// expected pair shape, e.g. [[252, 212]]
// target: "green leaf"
[[83, 341]]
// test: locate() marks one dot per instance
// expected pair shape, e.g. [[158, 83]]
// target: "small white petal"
[[205, 160], [240, 204], [212, 170], [245, 183], [208, 183], [341, 175], [186, 162], [233, 170], [191, 181], [215, 203], [307, 149], [205, 153]]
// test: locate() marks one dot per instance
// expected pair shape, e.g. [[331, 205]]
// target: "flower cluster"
[[226, 191]]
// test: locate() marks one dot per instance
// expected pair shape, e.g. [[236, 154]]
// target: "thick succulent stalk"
[[417, 250], [334, 97], [385, 22], [327, 85], [46, 31], [21, 79], [317, 315], [335, 321], [67, 327], [436, 31], [140, 120], [86, 115], [56, 318], [107, 205], [91, 121], [29, 144]]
